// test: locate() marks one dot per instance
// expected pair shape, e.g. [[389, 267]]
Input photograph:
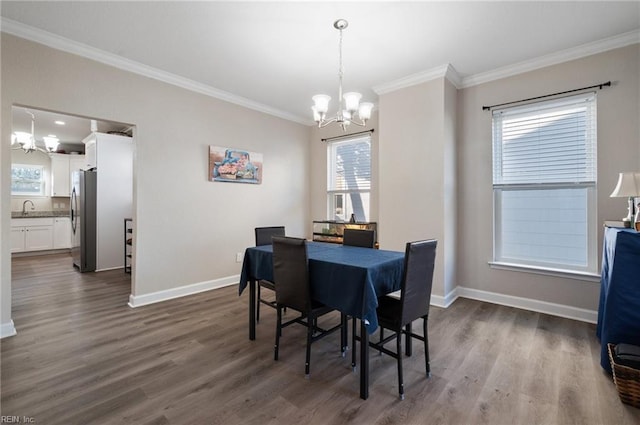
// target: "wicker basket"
[[627, 380]]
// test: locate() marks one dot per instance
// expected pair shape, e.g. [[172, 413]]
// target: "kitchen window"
[[349, 178], [544, 185], [27, 180]]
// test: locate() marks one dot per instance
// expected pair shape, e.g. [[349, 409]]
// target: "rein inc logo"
[[17, 420]]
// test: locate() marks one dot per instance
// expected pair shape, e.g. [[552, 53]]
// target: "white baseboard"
[[561, 310], [182, 291], [446, 301], [7, 329]]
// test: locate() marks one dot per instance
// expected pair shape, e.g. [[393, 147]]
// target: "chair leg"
[[381, 338], [344, 334], [408, 340], [311, 323], [278, 332], [353, 344], [399, 351], [426, 346], [258, 306]]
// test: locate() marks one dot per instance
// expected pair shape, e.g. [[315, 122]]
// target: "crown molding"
[[448, 71], [444, 71], [610, 43], [57, 42]]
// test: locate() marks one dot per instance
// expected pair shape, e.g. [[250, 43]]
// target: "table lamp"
[[628, 187]]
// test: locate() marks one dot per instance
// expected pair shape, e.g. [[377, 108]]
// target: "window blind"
[[350, 165], [549, 142]]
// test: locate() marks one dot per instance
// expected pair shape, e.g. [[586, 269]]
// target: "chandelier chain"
[[340, 72]]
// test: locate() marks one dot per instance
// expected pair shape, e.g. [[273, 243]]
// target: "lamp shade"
[[23, 138], [628, 185], [365, 110], [351, 101], [51, 143], [321, 103]]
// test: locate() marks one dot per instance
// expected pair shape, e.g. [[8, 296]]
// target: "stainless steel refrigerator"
[[83, 220]]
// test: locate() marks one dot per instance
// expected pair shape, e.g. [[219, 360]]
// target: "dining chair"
[[397, 313], [293, 290], [263, 237], [358, 237], [363, 239]]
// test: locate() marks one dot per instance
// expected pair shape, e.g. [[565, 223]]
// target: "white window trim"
[[546, 271], [591, 271], [43, 182]]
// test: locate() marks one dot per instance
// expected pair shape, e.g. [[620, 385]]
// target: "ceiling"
[[276, 55]]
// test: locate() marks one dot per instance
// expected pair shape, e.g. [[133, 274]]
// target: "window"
[[349, 178], [544, 184], [27, 180]]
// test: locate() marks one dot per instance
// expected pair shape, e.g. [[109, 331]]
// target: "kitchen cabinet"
[[60, 177], [91, 152], [31, 234], [61, 232], [61, 167], [77, 162]]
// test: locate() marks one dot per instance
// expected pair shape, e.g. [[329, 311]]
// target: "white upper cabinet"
[[61, 168], [60, 177]]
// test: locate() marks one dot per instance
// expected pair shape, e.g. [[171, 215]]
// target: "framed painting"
[[234, 165]]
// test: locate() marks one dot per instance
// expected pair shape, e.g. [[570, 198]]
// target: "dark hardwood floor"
[[82, 356]]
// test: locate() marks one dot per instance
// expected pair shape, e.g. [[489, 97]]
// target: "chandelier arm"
[[361, 123], [324, 123]]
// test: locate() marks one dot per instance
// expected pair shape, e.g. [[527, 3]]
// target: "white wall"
[[417, 172], [188, 230], [618, 150]]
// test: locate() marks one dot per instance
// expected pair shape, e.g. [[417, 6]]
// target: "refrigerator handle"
[[74, 207]]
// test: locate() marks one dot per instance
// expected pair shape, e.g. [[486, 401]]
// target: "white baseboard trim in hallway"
[[182, 291]]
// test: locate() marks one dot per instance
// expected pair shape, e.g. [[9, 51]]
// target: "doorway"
[[41, 182]]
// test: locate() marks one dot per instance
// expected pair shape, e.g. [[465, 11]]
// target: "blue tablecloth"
[[349, 279], [619, 309]]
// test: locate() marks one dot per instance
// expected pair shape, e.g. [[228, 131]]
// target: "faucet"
[[24, 205]]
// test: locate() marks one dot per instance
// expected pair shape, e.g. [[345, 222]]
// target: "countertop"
[[37, 214]]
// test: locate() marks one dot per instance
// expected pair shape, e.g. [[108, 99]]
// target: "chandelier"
[[27, 141], [349, 105]]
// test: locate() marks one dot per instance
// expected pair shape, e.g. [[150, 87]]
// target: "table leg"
[[364, 361], [252, 309]]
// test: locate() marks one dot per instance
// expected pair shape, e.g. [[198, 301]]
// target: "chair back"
[[419, 261], [291, 273], [264, 234], [357, 237]]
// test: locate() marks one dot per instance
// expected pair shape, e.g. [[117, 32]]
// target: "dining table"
[[347, 278]]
